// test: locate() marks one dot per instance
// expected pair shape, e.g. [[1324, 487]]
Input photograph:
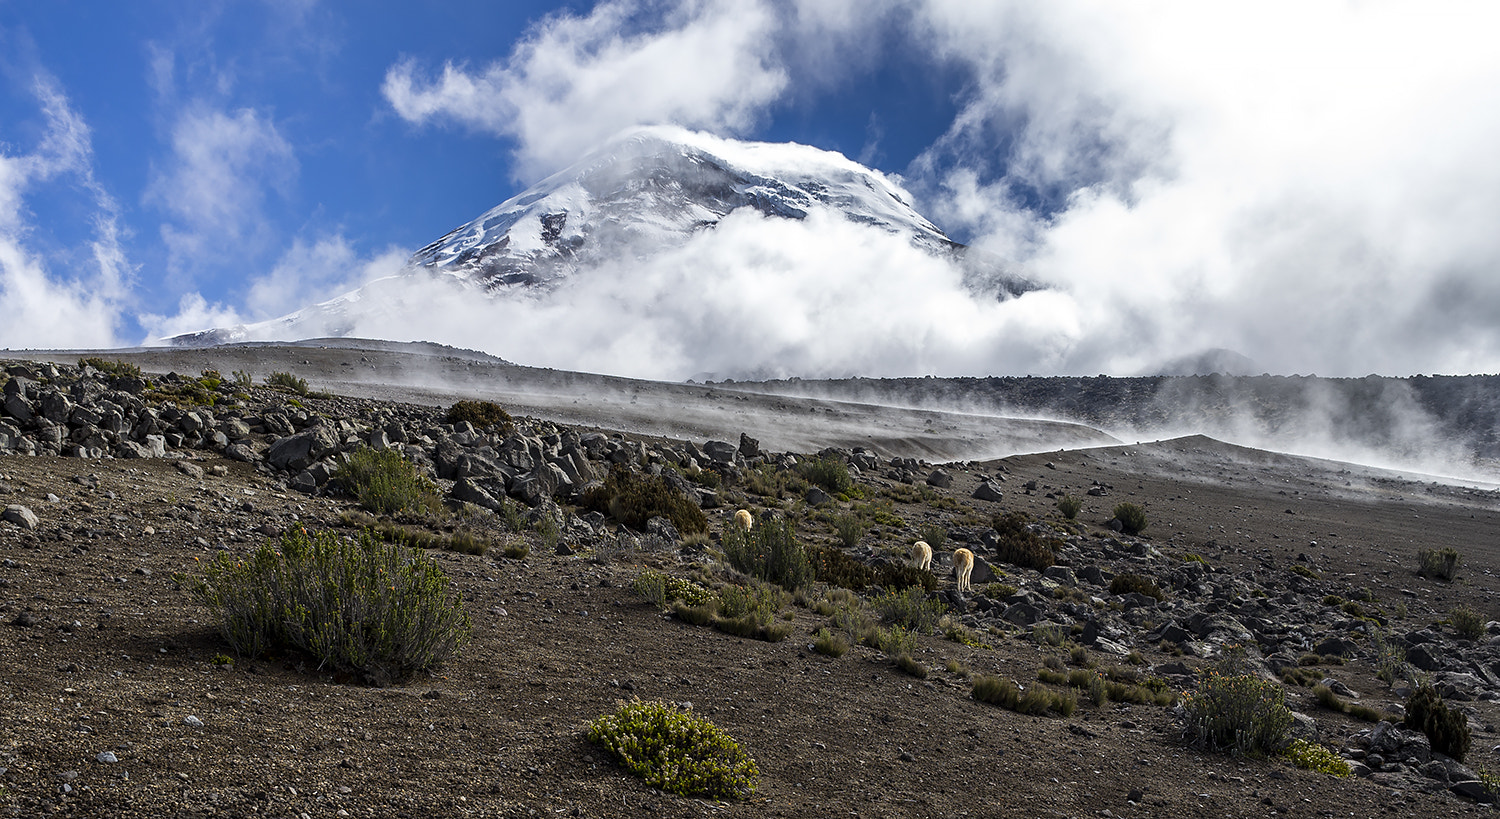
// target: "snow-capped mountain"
[[648, 190]]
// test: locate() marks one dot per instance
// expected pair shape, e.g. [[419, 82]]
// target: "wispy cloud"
[[223, 166], [45, 307], [574, 81]]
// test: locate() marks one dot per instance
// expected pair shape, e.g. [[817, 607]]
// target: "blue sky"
[[1313, 185]]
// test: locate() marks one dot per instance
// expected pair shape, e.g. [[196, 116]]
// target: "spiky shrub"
[[830, 474], [850, 529], [1241, 714], [1069, 506], [675, 751], [633, 499], [830, 644], [770, 552], [364, 606], [287, 382], [910, 608], [386, 483], [996, 691], [1018, 545], [1446, 727], [895, 641], [1467, 623], [119, 369], [935, 535], [1438, 564], [906, 665], [1127, 583], [750, 611], [1315, 757], [1132, 518]]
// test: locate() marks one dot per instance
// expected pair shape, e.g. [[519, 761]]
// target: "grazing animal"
[[963, 564], [921, 555], [744, 520]]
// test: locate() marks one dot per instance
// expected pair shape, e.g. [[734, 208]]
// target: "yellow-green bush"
[[675, 751], [1315, 757]]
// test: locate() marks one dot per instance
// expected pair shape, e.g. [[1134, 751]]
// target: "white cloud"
[[574, 81], [308, 274], [223, 166], [1314, 186], [42, 307]]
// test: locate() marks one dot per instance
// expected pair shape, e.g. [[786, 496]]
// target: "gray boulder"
[[295, 453], [939, 478], [987, 491], [20, 516]]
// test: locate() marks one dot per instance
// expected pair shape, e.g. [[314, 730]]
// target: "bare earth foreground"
[[102, 651]]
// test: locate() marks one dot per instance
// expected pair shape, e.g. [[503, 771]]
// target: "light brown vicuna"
[[963, 566], [921, 555], [744, 520]]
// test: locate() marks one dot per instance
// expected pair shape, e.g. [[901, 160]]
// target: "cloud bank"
[[1312, 187]]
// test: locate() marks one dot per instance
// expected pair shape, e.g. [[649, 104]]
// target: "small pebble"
[[107, 757], [192, 722]]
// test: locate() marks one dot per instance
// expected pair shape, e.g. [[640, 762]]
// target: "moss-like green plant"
[[362, 605], [1315, 757], [482, 415], [386, 483], [1132, 518], [1240, 714], [1438, 564], [675, 751]]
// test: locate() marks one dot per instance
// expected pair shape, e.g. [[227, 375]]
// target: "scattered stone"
[[21, 516]]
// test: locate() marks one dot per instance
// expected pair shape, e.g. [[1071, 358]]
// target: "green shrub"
[[829, 473], [675, 751], [1446, 727], [769, 482], [243, 380], [1239, 714], [1132, 518], [372, 608], [1300, 676], [482, 415], [1126, 582], [910, 608], [934, 535], [1069, 506], [1019, 546], [287, 382], [633, 499], [119, 369], [998, 591], [829, 643], [1314, 757], [1467, 623], [386, 483], [770, 552], [850, 529], [1438, 564], [895, 641]]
